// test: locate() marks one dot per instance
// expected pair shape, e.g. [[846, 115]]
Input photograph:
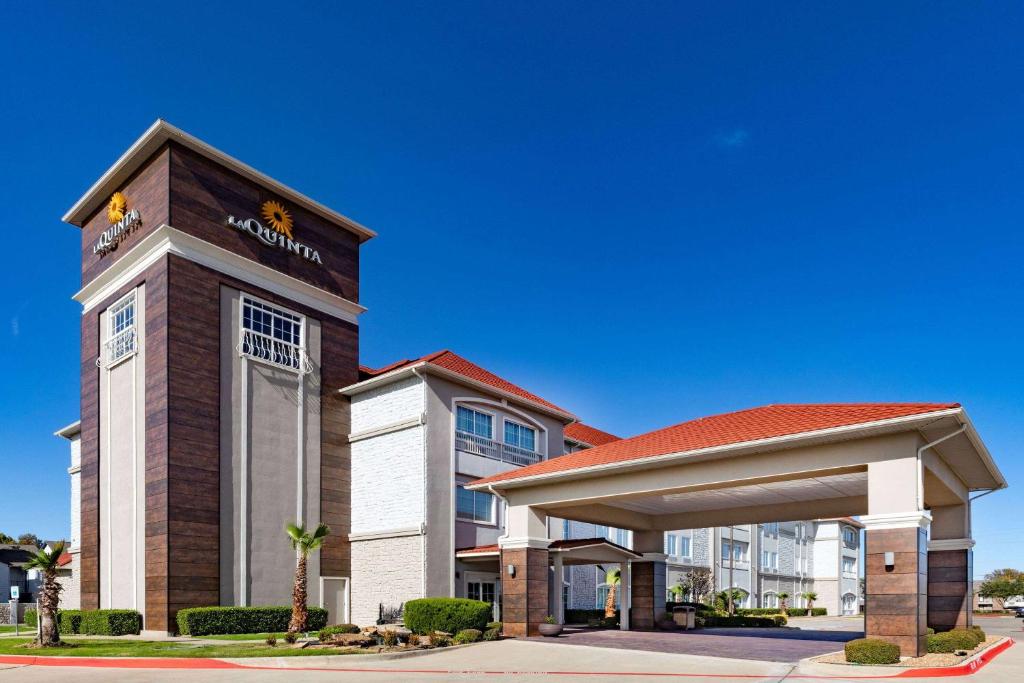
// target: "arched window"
[[849, 604], [770, 599]]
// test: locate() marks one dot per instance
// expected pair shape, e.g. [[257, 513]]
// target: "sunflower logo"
[[279, 219], [115, 209]]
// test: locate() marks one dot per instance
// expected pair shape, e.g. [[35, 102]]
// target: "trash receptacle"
[[684, 616]]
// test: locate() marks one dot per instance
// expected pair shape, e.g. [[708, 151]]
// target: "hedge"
[[957, 639], [449, 615], [700, 607], [872, 651], [205, 621], [103, 622], [582, 616], [803, 612], [725, 621]]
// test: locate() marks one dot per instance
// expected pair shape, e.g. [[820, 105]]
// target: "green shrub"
[[205, 621], [68, 620], [494, 625], [271, 640], [31, 618], [700, 607], [291, 637], [467, 635], [492, 634], [872, 651], [110, 622], [328, 631], [584, 616], [757, 611], [725, 621], [804, 612], [450, 615], [931, 631], [957, 639]]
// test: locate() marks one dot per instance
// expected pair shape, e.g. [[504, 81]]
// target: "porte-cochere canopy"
[[906, 468]]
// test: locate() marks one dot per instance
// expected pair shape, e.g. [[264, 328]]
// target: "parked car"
[[1018, 612]]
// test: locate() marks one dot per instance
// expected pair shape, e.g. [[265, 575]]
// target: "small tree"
[[49, 595], [612, 578], [5, 539], [1001, 589], [304, 543], [810, 596], [698, 583], [783, 598]]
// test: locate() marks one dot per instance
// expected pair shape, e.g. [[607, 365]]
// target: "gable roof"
[[449, 362], [587, 435], [154, 138], [750, 425]]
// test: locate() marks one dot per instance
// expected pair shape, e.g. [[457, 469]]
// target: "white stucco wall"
[[387, 482], [386, 405]]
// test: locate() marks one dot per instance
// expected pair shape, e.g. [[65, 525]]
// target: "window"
[[520, 436], [474, 422], [601, 531], [272, 335], [474, 506], [670, 544], [602, 596], [769, 560], [684, 546], [849, 565], [769, 600], [480, 590], [622, 537], [565, 528], [771, 529], [739, 551], [121, 329], [849, 537]]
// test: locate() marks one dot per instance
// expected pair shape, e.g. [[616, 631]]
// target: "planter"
[[549, 630]]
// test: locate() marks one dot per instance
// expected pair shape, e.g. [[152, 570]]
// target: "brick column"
[[896, 595], [525, 595], [648, 593], [950, 569]]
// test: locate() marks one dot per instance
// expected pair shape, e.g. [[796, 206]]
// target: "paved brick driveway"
[[766, 644]]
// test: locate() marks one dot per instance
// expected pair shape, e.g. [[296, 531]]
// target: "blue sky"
[[646, 212]]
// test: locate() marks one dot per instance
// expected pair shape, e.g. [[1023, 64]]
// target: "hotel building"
[[222, 397]]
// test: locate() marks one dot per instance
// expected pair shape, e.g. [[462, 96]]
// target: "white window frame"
[[849, 537], [121, 344], [770, 597], [493, 517], [689, 546], [301, 359], [536, 434], [852, 571], [488, 413]]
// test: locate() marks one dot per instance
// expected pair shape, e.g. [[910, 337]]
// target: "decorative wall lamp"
[[890, 560], [512, 570]]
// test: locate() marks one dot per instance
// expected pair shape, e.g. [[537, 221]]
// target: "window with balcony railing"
[[272, 335], [474, 433]]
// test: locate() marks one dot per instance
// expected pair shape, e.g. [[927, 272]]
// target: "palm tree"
[[612, 579], [783, 597], [49, 595], [810, 596], [304, 544]]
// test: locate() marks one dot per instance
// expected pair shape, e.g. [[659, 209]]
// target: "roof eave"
[[787, 440], [70, 430], [426, 366], [154, 138]]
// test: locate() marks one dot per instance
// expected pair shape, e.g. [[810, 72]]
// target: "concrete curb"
[[810, 669]]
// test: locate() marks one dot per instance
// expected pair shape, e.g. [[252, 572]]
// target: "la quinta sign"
[[277, 232], [122, 222]]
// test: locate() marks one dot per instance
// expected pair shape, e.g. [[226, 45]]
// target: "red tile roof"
[[453, 362], [64, 559], [585, 434], [753, 424], [478, 550]]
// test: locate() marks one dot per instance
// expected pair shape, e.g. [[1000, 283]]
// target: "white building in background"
[[70, 597]]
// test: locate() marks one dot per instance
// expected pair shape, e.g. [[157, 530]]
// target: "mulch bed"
[[932, 659]]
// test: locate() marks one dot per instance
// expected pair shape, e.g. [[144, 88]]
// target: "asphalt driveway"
[[804, 638]]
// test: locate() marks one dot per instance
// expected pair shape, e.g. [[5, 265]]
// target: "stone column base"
[[949, 585], [647, 593], [896, 598], [525, 595]]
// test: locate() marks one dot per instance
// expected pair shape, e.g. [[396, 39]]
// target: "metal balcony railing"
[[478, 445]]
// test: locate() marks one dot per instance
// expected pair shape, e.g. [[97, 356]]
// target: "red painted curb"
[[961, 669], [199, 663]]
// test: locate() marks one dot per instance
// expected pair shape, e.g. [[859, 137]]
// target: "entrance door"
[[334, 597], [485, 587]]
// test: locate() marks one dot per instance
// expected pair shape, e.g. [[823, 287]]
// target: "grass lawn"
[[8, 628], [149, 648], [242, 636]]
